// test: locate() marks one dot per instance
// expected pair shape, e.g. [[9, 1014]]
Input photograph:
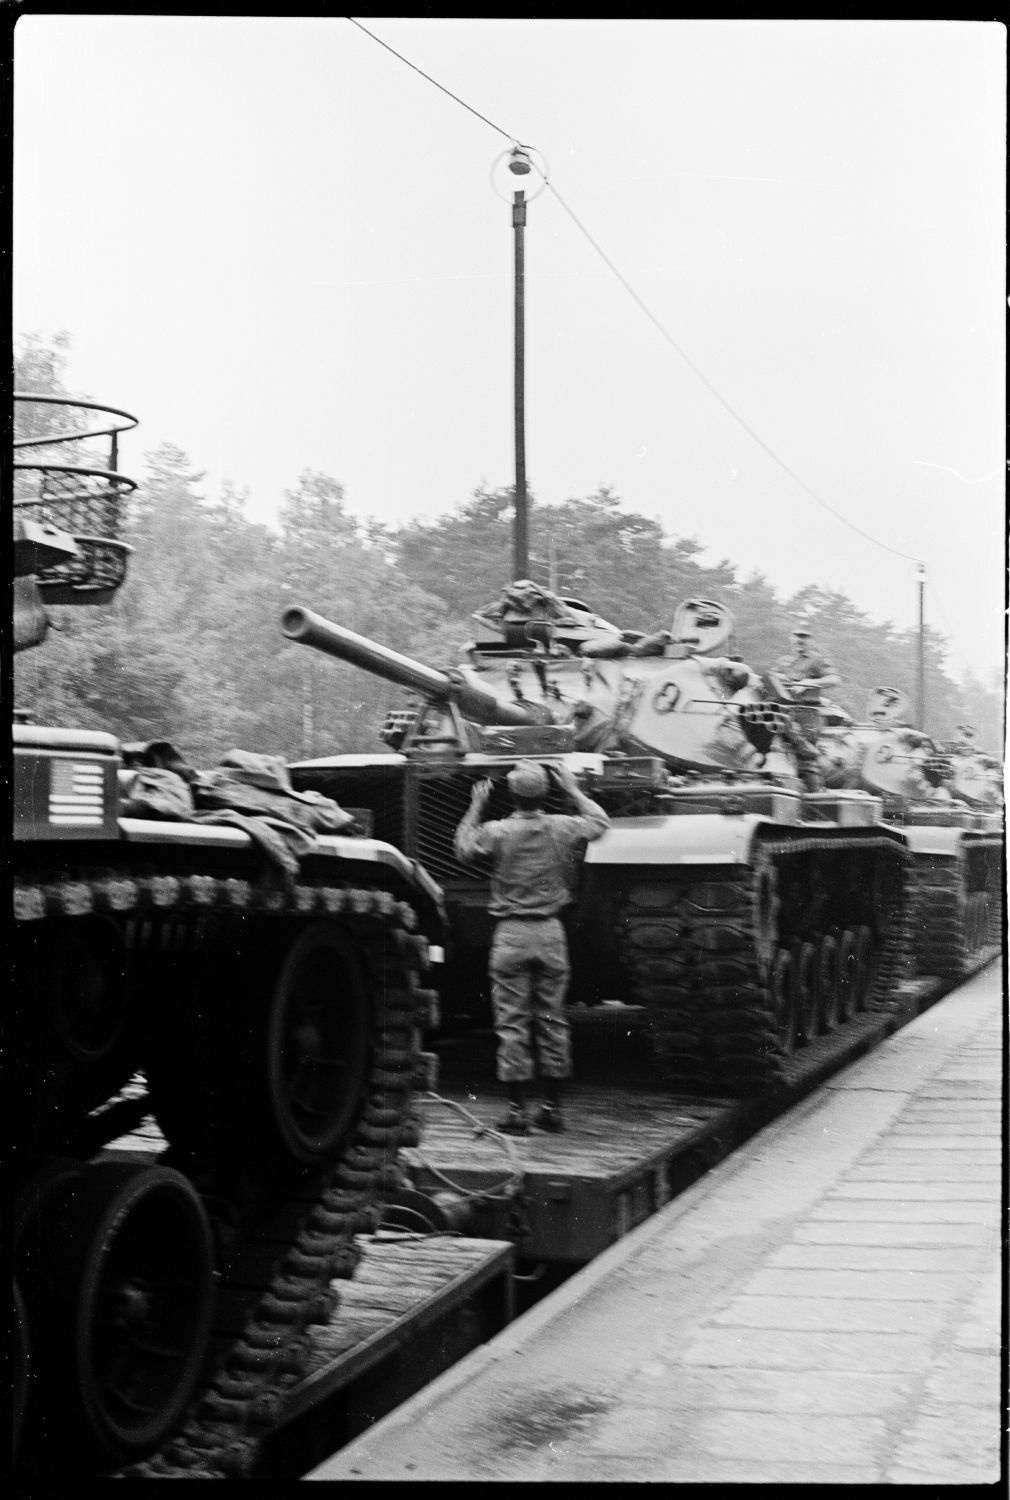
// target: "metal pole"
[[521, 563], [921, 716]]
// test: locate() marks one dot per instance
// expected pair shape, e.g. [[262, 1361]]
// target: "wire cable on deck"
[[498, 1192], [389, 1226]]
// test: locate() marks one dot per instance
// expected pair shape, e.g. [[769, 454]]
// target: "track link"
[[957, 907], [284, 1236], [698, 947]]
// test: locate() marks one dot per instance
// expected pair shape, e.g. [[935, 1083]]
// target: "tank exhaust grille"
[[441, 803]]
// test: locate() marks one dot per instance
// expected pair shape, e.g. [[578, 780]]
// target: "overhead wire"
[[432, 80], [695, 370], [726, 405]]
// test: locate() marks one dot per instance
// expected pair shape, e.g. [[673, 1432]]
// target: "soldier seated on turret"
[[803, 674], [806, 673]]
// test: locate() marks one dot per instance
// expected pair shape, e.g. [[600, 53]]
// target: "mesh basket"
[[89, 505]]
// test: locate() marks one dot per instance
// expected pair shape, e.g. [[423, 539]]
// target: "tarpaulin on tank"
[[245, 790]]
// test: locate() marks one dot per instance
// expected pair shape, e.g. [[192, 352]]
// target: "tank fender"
[[335, 846], [925, 840], [687, 839]]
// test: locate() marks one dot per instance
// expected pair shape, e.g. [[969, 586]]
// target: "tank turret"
[[592, 688], [887, 756]]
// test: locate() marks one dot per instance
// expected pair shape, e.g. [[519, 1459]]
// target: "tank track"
[[280, 1243], [697, 948], [949, 933]]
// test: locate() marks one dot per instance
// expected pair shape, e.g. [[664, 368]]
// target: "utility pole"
[[521, 160], [921, 663], [519, 165]]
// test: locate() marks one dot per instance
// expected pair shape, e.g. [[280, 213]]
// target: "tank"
[[947, 799], [744, 911], [168, 964]]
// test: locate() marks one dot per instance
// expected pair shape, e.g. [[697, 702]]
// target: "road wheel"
[[783, 1001], [766, 917], [827, 982], [268, 1053], [976, 922], [804, 975], [887, 891], [117, 1269], [847, 975], [864, 967], [317, 1044], [71, 984]]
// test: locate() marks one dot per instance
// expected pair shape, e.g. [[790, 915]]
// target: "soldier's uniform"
[[800, 665], [532, 856]]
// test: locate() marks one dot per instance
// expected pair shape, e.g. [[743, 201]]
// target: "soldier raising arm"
[[532, 854]]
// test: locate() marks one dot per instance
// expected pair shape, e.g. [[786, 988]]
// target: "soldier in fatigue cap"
[[806, 672], [533, 854]]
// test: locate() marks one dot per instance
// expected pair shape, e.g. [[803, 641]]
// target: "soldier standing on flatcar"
[[532, 855]]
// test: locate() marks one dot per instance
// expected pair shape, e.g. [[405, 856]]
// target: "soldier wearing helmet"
[[532, 855]]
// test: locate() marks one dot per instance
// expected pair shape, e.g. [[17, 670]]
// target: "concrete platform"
[[822, 1307]]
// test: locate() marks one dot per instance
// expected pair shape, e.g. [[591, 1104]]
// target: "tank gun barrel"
[[475, 703]]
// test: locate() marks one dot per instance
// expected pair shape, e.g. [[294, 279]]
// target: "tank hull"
[[949, 809], [272, 1029]]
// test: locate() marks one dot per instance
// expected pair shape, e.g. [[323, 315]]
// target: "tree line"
[[191, 650]]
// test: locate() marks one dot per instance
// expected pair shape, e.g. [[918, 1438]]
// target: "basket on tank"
[[83, 501]]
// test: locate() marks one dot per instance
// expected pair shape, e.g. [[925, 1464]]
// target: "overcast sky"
[[282, 249]]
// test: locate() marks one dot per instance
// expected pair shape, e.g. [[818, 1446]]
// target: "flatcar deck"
[[627, 1149], [415, 1306]]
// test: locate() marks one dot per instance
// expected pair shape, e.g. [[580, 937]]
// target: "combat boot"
[[548, 1117], [513, 1122]]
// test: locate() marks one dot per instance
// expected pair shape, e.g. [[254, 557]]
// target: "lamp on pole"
[[519, 166], [520, 162]]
